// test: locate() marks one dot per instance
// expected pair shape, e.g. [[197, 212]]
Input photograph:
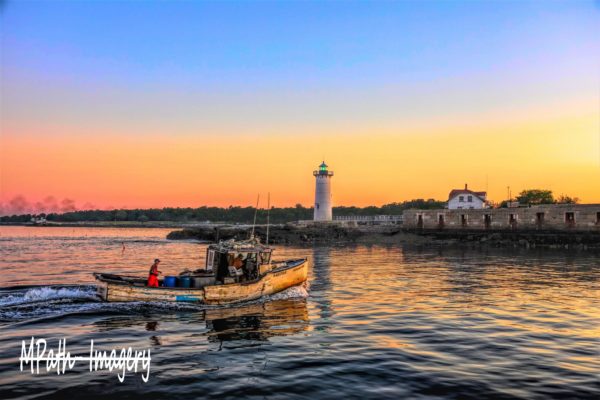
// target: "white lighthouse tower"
[[323, 193]]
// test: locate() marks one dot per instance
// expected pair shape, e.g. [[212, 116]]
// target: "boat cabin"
[[238, 261]]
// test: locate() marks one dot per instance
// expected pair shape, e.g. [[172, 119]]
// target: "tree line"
[[530, 197], [278, 215], [229, 214]]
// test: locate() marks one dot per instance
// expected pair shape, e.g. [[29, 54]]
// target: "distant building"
[[466, 199], [323, 206], [38, 220]]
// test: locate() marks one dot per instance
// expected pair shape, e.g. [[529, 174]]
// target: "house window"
[[461, 199], [470, 199]]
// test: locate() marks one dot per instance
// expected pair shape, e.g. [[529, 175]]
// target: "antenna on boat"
[[255, 211], [268, 212]]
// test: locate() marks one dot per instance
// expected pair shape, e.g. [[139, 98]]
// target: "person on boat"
[[238, 262], [237, 265], [250, 269], [153, 276]]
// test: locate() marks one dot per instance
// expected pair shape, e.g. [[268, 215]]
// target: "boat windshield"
[[265, 257], [237, 260], [212, 259]]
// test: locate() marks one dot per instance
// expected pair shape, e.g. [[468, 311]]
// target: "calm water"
[[374, 322]]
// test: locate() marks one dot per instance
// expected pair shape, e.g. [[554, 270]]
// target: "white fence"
[[390, 219]]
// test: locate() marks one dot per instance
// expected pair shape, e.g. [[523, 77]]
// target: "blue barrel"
[[185, 281], [170, 281]]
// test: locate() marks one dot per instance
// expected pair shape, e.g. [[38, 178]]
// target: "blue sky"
[[341, 62], [287, 42]]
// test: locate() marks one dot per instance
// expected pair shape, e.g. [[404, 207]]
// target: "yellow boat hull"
[[272, 282]]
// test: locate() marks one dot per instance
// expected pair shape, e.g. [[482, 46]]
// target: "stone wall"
[[579, 217]]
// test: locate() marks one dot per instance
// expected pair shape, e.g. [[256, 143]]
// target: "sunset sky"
[[140, 104]]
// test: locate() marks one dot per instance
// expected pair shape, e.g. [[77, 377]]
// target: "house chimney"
[[465, 186]]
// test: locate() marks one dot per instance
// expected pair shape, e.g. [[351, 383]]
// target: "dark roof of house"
[[456, 192]]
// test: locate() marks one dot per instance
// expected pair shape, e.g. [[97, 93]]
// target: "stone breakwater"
[[277, 234], [554, 239], [335, 234], [295, 235]]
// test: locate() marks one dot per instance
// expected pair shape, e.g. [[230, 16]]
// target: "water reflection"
[[151, 327], [253, 322], [321, 286], [379, 322], [257, 322]]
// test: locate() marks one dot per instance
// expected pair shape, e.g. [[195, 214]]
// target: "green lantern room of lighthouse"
[[323, 171]]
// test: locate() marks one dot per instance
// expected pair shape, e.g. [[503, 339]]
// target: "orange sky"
[[375, 166]]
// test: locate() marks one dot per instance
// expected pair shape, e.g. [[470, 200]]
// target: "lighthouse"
[[323, 193]]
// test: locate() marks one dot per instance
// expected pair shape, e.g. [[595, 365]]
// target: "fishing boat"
[[235, 271]]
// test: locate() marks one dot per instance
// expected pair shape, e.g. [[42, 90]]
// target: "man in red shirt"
[[153, 277]]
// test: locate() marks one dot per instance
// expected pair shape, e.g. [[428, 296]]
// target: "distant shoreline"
[[104, 224]]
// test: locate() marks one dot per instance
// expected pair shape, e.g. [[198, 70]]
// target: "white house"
[[466, 199]]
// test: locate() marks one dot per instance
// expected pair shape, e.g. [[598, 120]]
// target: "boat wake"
[[34, 303], [295, 292], [46, 293]]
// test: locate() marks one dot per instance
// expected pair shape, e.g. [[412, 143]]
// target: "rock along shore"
[[334, 234], [294, 235]]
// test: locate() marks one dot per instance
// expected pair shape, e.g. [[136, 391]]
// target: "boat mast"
[[268, 212], [255, 211]]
